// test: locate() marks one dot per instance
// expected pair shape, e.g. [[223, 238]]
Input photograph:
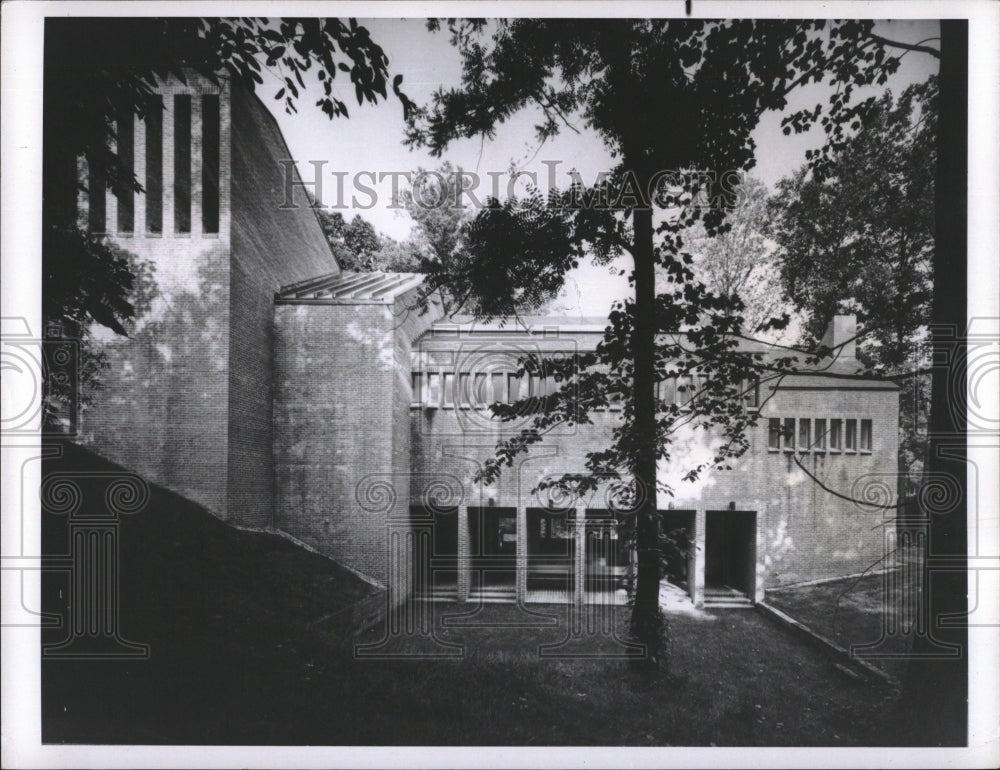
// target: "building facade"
[[284, 394]]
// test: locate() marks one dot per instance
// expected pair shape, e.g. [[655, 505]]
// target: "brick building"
[[284, 394]]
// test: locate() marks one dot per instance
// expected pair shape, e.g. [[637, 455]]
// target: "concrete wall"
[[341, 451], [272, 247]]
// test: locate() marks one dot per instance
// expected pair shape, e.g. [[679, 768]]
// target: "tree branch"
[[908, 46]]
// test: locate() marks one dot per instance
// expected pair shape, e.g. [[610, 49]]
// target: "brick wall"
[[804, 532], [334, 373], [162, 406], [272, 247]]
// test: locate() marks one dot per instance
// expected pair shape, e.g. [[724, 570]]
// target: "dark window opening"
[[182, 163], [774, 434], [804, 438], [866, 435], [835, 435], [417, 389], [851, 436], [126, 160], [154, 167], [819, 442], [789, 433], [96, 191], [210, 163]]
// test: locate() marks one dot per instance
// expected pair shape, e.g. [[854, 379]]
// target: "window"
[[464, 397], [866, 435], [182, 163], [418, 378], [819, 439], [96, 193], [479, 390], [210, 163], [515, 388], [497, 391], [685, 389], [449, 390], [751, 393], [154, 167], [835, 436], [789, 434], [666, 390], [433, 390], [126, 157], [537, 386], [851, 436], [804, 438], [774, 434]]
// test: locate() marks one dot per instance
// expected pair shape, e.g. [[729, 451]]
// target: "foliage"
[[740, 262], [98, 71], [434, 202], [859, 237], [111, 288]]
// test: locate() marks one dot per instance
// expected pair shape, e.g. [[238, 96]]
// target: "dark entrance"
[[679, 550], [551, 548], [731, 551], [436, 561], [493, 547], [606, 552]]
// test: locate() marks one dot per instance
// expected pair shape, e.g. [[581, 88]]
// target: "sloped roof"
[[349, 288]]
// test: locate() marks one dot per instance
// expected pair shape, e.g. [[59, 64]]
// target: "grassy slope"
[[855, 611]]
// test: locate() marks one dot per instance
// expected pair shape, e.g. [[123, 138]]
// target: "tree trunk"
[[646, 619], [933, 706]]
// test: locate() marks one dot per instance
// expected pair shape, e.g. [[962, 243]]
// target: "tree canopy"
[[860, 236], [741, 262]]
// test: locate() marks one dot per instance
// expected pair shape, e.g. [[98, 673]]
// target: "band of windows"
[[438, 389], [807, 434], [182, 189], [680, 390]]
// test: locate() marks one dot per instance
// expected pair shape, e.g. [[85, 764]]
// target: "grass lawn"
[[235, 659], [855, 612]]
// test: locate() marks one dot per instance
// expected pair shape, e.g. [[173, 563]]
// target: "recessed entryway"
[[730, 557], [492, 552], [551, 545]]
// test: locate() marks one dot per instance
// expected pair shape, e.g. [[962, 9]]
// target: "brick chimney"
[[841, 329]]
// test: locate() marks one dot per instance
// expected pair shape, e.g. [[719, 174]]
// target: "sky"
[[371, 140]]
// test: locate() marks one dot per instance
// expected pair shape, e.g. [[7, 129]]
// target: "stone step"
[[728, 603]]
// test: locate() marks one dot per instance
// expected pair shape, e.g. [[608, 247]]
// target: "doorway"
[[493, 548], [606, 552], [731, 553], [436, 558], [551, 550], [678, 527]]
